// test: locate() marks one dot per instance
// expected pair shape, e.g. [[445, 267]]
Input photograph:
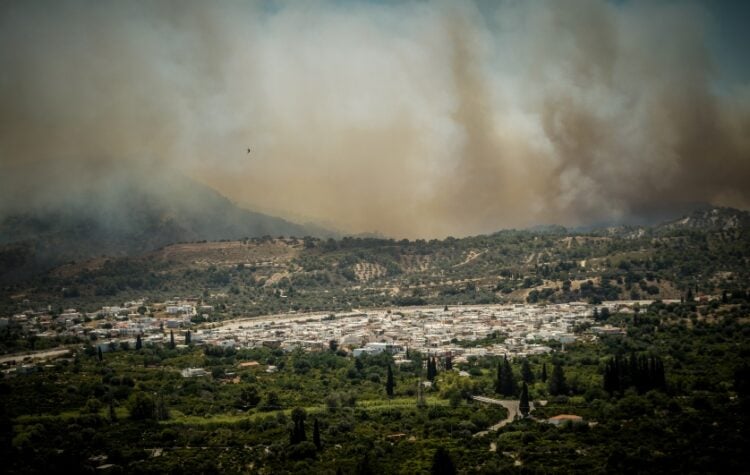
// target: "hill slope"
[[129, 216]]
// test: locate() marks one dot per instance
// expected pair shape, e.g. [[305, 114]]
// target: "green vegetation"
[[671, 396], [261, 276]]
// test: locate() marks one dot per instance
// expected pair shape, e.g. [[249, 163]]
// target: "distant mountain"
[[129, 215]]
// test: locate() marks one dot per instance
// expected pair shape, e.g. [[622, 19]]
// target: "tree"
[[557, 384], [161, 411], [431, 368], [506, 382], [333, 346], [249, 397], [171, 339], [112, 413], [298, 431], [448, 363], [604, 314], [442, 463], [363, 466], [526, 374], [389, 384], [188, 338], [99, 353], [141, 406], [272, 402], [316, 434], [138, 342], [543, 376], [523, 404]]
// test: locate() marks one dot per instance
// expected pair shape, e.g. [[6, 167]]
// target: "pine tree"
[[138, 342], [526, 374], [523, 404], [171, 339], [557, 384], [316, 435], [389, 384]]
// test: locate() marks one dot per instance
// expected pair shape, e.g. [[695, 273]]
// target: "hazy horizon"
[[409, 119]]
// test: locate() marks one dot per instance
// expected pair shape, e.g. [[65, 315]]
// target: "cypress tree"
[[316, 435], [112, 413], [138, 342], [442, 463], [298, 431], [448, 363], [557, 383], [161, 410], [171, 339], [389, 385], [526, 374], [499, 378], [431, 368], [507, 380], [363, 467], [99, 353], [543, 376], [188, 338], [523, 404]]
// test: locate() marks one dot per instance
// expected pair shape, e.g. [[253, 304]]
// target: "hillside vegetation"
[[264, 275]]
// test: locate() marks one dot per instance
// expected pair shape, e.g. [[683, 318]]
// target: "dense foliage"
[[671, 396]]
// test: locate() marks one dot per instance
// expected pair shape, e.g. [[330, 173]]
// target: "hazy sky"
[[413, 119]]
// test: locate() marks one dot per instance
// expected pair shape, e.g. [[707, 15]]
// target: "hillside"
[[265, 275], [131, 218]]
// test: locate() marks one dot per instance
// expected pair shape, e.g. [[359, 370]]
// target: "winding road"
[[511, 405]]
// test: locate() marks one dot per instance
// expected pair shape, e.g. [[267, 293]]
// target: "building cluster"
[[462, 332], [110, 322], [514, 330]]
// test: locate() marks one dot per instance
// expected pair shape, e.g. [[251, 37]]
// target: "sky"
[[409, 119]]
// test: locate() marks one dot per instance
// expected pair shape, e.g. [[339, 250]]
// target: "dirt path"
[[45, 354]]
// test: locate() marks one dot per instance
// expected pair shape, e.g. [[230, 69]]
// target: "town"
[[462, 332]]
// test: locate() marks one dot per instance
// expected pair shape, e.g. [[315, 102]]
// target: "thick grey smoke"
[[411, 119]]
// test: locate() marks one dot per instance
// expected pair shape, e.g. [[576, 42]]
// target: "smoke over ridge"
[[412, 119]]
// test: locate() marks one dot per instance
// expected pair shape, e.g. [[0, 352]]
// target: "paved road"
[[511, 405]]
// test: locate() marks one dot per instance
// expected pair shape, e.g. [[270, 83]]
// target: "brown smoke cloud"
[[413, 119]]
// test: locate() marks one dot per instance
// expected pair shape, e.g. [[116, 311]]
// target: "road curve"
[[511, 405]]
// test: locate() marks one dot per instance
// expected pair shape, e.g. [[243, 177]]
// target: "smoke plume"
[[413, 119]]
